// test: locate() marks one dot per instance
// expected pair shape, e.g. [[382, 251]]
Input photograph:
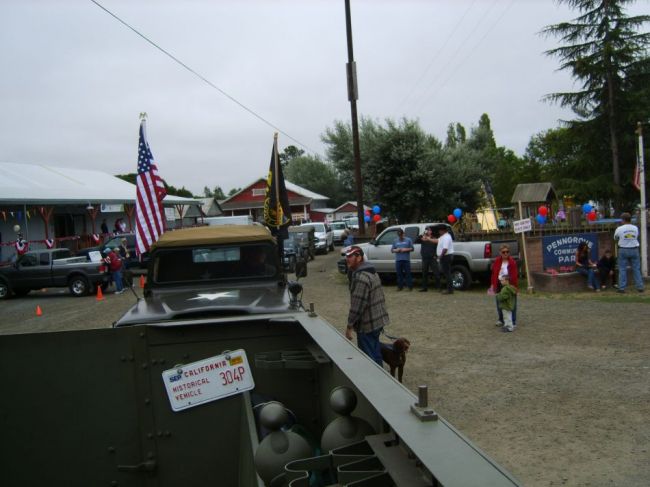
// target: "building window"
[[259, 191]]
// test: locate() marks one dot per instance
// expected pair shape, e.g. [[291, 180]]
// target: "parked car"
[[293, 253], [38, 269], [133, 262], [324, 236], [338, 231], [306, 236], [471, 259]]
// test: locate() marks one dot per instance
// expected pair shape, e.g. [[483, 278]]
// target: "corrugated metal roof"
[[43, 184], [533, 193]]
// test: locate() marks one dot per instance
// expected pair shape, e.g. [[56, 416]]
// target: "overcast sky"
[[74, 80]]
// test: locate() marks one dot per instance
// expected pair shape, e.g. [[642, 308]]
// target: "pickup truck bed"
[[51, 268]]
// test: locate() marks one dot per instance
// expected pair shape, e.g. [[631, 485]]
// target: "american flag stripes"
[[149, 212]]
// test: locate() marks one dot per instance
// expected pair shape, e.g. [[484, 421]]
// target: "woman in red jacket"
[[504, 265]]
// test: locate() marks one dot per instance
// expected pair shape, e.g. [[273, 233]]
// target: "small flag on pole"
[[636, 180], [149, 212], [277, 212]]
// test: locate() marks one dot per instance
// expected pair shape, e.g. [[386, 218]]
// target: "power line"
[[436, 55], [204, 79], [471, 52], [432, 85]]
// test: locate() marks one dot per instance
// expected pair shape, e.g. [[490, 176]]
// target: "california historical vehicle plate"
[[208, 380]]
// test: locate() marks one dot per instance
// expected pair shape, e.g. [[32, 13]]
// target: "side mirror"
[[373, 242], [301, 268]]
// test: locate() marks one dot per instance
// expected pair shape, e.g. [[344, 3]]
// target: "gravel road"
[[564, 400]]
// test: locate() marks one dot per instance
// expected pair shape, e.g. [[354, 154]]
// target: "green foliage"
[[233, 191], [317, 176], [216, 193], [290, 152], [129, 178], [607, 55]]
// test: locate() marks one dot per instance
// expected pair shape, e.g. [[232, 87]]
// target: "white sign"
[[112, 208], [170, 214], [521, 226], [210, 379], [95, 256]]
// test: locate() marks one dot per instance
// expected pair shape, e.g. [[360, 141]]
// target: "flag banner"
[[277, 212], [22, 246], [636, 180], [149, 213]]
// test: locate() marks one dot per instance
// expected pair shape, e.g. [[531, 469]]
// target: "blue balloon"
[[366, 218], [541, 219], [587, 208], [376, 209], [458, 212]]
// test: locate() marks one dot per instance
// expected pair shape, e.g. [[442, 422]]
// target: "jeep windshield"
[[205, 264]]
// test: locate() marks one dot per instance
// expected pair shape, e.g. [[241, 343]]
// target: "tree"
[[233, 191], [317, 176], [290, 152], [216, 193], [602, 48]]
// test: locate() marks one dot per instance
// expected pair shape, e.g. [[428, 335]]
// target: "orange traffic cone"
[[141, 281], [100, 295], [39, 311]]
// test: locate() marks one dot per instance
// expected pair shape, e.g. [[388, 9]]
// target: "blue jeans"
[[117, 278], [514, 312], [629, 257], [369, 344], [592, 279], [403, 268]]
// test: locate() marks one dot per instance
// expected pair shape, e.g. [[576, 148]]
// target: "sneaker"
[[119, 292], [640, 290], [622, 291], [499, 323], [505, 329]]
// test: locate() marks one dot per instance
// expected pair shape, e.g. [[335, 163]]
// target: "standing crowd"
[[368, 315]]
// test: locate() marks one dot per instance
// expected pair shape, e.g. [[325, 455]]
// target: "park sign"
[[559, 251], [521, 226]]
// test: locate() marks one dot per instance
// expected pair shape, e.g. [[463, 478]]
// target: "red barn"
[[250, 201]]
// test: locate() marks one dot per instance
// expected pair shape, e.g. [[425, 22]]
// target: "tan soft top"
[[214, 235]]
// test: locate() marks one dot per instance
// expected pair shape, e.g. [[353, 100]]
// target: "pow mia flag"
[[277, 212]]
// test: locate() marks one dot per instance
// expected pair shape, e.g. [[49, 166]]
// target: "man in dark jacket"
[[368, 315], [428, 244]]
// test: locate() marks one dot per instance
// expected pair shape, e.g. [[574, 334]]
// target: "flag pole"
[[643, 213], [276, 182]]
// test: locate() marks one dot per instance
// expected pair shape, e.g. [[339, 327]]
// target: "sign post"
[[522, 226]]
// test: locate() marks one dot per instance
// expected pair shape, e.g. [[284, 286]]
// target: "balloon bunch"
[[375, 215], [589, 211], [455, 215], [542, 214]]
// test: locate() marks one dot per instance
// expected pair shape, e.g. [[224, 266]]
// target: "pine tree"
[[601, 48]]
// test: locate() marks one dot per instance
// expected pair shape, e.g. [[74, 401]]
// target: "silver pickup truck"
[[471, 261], [39, 269]]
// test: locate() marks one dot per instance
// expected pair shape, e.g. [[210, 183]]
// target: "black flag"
[[277, 212]]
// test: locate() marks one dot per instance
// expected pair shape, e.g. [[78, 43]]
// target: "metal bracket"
[[421, 408]]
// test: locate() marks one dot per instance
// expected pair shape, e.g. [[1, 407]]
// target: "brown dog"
[[394, 355]]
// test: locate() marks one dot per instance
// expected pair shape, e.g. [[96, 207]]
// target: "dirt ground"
[[564, 400]]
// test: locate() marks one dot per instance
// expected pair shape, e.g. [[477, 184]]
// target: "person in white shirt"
[[445, 251], [627, 238]]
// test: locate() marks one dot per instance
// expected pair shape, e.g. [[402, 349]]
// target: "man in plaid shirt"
[[367, 316]]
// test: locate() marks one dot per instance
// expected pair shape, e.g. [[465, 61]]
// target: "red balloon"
[[591, 216], [451, 218], [542, 210], [376, 218], [368, 212]]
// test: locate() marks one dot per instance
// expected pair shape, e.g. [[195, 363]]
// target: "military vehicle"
[[219, 376]]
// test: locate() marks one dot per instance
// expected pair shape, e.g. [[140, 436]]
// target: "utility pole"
[[643, 224], [353, 96]]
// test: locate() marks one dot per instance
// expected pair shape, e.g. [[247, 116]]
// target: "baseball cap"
[[353, 250]]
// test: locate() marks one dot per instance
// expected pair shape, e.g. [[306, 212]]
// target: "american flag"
[[149, 212]]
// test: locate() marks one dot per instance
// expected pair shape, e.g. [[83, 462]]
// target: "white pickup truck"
[[471, 261]]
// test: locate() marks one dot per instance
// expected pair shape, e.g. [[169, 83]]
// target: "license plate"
[[208, 380]]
